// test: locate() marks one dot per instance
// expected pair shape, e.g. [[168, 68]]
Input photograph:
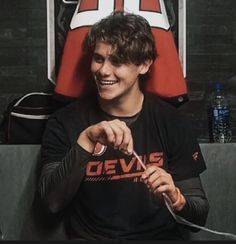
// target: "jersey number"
[[105, 7]]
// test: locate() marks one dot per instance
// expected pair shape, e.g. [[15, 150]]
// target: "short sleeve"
[[55, 142], [185, 159]]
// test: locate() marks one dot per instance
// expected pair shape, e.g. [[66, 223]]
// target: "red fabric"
[[167, 78]]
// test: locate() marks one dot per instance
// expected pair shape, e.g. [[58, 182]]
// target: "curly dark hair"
[[129, 35]]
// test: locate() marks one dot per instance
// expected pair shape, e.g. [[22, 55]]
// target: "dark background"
[[211, 54]]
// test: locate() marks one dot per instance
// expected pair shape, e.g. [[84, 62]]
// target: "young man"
[[89, 168]]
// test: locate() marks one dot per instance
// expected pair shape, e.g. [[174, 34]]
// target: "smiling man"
[[89, 169]]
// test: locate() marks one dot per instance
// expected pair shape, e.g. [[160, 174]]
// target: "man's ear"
[[145, 66]]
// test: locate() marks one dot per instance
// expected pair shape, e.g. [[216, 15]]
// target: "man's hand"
[[159, 181], [113, 133]]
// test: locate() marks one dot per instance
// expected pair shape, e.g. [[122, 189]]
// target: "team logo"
[[195, 156]]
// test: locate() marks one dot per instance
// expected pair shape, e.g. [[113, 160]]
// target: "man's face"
[[114, 80]]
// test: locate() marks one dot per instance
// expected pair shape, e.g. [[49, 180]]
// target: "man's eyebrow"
[[100, 55], [97, 54]]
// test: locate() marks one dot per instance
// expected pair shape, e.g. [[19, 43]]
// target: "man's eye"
[[98, 59], [115, 62]]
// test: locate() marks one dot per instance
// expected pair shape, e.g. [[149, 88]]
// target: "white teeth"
[[107, 82]]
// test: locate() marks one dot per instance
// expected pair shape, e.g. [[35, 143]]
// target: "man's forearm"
[[59, 181], [196, 207]]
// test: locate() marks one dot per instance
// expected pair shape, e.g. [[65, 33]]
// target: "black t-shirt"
[[111, 202]]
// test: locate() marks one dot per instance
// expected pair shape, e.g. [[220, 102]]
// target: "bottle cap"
[[219, 86]]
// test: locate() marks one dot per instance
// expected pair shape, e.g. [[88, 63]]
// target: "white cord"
[[180, 219]]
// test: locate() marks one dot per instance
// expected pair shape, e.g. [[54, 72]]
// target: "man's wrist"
[[85, 142], [180, 202]]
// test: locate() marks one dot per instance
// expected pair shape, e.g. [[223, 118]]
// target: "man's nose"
[[105, 69]]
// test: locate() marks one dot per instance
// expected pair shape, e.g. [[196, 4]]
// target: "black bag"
[[26, 117]]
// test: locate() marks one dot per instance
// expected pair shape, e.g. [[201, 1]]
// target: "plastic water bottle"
[[220, 116]]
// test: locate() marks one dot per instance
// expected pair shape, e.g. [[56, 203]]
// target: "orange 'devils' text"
[[121, 168]]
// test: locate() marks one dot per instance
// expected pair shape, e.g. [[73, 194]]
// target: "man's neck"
[[125, 106]]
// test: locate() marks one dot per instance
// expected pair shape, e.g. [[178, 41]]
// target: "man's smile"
[[106, 82]]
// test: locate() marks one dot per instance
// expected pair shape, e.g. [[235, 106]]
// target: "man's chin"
[[106, 96]]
